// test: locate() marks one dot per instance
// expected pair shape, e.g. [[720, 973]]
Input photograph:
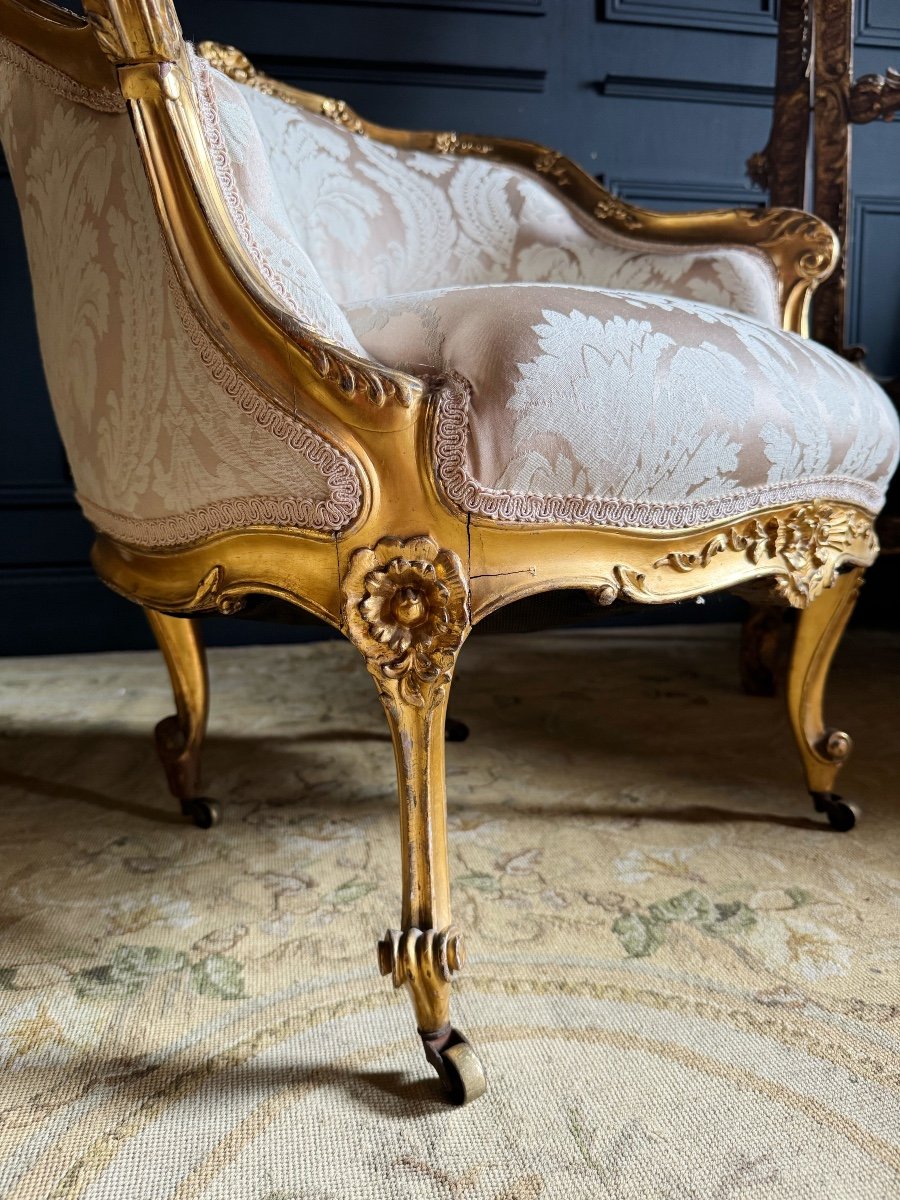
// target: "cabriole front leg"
[[179, 739], [822, 749], [406, 609]]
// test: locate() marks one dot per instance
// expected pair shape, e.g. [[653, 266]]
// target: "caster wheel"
[[458, 1065], [204, 813], [463, 1073], [841, 815], [455, 731]]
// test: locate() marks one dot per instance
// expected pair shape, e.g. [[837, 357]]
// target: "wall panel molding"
[[878, 23], [650, 193], [35, 493], [636, 87], [521, 8], [733, 16], [305, 72], [867, 212]]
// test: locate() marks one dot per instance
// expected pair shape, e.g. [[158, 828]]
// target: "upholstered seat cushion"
[[589, 406]]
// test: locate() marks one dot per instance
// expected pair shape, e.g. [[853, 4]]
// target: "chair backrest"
[[164, 442], [377, 219]]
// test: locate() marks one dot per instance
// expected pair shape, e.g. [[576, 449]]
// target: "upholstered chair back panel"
[[376, 220], [164, 443]]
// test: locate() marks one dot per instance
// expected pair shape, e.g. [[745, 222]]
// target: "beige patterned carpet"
[[682, 987]]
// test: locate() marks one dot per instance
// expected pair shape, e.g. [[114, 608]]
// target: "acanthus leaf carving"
[[211, 592], [809, 241], [135, 30], [454, 143], [613, 208], [805, 545], [875, 97]]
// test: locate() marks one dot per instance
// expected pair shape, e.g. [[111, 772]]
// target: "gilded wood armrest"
[[803, 249], [62, 40]]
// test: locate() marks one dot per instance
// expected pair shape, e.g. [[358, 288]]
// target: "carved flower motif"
[[812, 532], [407, 605], [409, 597]]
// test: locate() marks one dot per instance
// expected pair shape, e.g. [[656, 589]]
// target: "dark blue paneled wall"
[[664, 99]]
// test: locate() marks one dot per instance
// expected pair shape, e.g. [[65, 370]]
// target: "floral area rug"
[[681, 984]]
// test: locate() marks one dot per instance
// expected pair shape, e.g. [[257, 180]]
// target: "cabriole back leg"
[[179, 738], [762, 643], [406, 609], [823, 751]]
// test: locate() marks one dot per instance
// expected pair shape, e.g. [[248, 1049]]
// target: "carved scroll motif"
[[875, 98], [805, 544]]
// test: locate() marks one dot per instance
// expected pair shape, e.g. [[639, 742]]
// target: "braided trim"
[[343, 504], [231, 193], [451, 437], [100, 99], [182, 529], [325, 515]]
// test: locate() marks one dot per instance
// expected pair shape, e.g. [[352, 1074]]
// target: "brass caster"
[[841, 815], [204, 813], [455, 731], [457, 1064]]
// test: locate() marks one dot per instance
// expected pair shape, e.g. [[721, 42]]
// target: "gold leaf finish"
[[136, 30], [807, 543], [406, 581], [407, 609]]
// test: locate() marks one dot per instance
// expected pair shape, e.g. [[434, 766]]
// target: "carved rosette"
[[804, 545], [406, 607]]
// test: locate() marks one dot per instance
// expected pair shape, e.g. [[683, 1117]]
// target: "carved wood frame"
[[411, 576]]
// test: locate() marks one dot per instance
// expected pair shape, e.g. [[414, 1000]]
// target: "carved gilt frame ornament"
[[409, 573], [406, 607], [817, 103], [808, 542]]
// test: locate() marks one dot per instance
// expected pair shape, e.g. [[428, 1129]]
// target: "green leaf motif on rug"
[[349, 893], [219, 976], [639, 935], [479, 880], [133, 968], [642, 934]]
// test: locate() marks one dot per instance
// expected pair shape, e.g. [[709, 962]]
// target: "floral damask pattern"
[[569, 404], [376, 220], [165, 442]]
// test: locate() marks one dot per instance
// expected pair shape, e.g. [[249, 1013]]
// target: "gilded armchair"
[[403, 379]]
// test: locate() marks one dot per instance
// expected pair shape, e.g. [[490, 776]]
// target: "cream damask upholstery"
[[164, 442], [402, 380], [574, 399], [590, 406], [378, 220]]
